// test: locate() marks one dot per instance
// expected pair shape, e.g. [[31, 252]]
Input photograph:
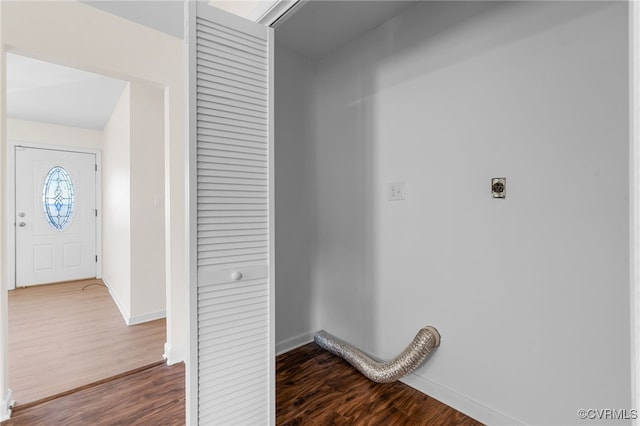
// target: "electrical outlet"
[[499, 187], [396, 191]]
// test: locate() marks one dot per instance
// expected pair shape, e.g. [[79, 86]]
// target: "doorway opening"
[[74, 139]]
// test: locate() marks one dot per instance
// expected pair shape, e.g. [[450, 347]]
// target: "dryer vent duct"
[[425, 341]]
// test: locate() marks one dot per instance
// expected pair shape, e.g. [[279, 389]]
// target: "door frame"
[[11, 203], [136, 60]]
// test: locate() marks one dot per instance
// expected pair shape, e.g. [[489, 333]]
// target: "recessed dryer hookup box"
[[499, 187]]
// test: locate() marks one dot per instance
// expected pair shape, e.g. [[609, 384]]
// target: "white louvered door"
[[231, 370]]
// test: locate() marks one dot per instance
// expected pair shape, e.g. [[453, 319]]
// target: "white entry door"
[[55, 216]]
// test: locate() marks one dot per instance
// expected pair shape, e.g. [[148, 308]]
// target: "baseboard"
[[6, 406], [125, 315], [174, 354], [139, 319], [465, 405], [128, 318], [294, 342]]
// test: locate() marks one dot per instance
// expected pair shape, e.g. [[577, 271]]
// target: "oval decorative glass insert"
[[58, 198]]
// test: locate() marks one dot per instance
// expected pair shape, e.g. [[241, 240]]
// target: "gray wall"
[[294, 208], [530, 293]]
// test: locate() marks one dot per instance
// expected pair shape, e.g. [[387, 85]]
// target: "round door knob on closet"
[[236, 275], [22, 224]]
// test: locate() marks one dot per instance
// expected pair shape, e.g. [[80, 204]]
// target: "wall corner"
[[174, 354], [6, 405]]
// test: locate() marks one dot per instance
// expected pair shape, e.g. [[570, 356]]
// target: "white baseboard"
[[6, 405], [174, 354], [139, 319], [294, 342], [125, 314], [128, 318], [458, 401]]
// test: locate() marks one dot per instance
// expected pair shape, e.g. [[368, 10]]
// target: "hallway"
[[63, 336]]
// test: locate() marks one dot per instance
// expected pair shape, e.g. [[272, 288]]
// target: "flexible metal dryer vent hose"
[[425, 341]]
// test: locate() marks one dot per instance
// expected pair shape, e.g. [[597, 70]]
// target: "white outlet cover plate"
[[396, 191]]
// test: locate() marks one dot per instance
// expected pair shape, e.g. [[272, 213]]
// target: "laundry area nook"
[[501, 121], [365, 211]]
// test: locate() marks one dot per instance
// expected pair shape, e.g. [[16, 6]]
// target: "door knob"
[[236, 276], [22, 214], [22, 224]]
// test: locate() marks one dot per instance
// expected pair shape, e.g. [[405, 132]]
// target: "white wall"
[[147, 207], [77, 35], [133, 225], [53, 134], [116, 204], [294, 210], [530, 293]]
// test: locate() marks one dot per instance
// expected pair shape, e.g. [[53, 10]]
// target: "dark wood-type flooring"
[[313, 387], [153, 396]]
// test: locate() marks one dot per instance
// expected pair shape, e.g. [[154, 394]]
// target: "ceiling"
[[41, 91], [319, 27], [162, 15], [315, 29], [168, 15]]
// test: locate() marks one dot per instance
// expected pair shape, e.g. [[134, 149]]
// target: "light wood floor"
[[63, 336]]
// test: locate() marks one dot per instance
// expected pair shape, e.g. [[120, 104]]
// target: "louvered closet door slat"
[[231, 87], [248, 164], [240, 147], [216, 77], [227, 34], [206, 122], [250, 33], [209, 244], [232, 157], [232, 136], [220, 37], [209, 50], [234, 73], [212, 221], [228, 61], [207, 227], [233, 106], [230, 119], [230, 90], [239, 177], [214, 305], [230, 112], [228, 170]]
